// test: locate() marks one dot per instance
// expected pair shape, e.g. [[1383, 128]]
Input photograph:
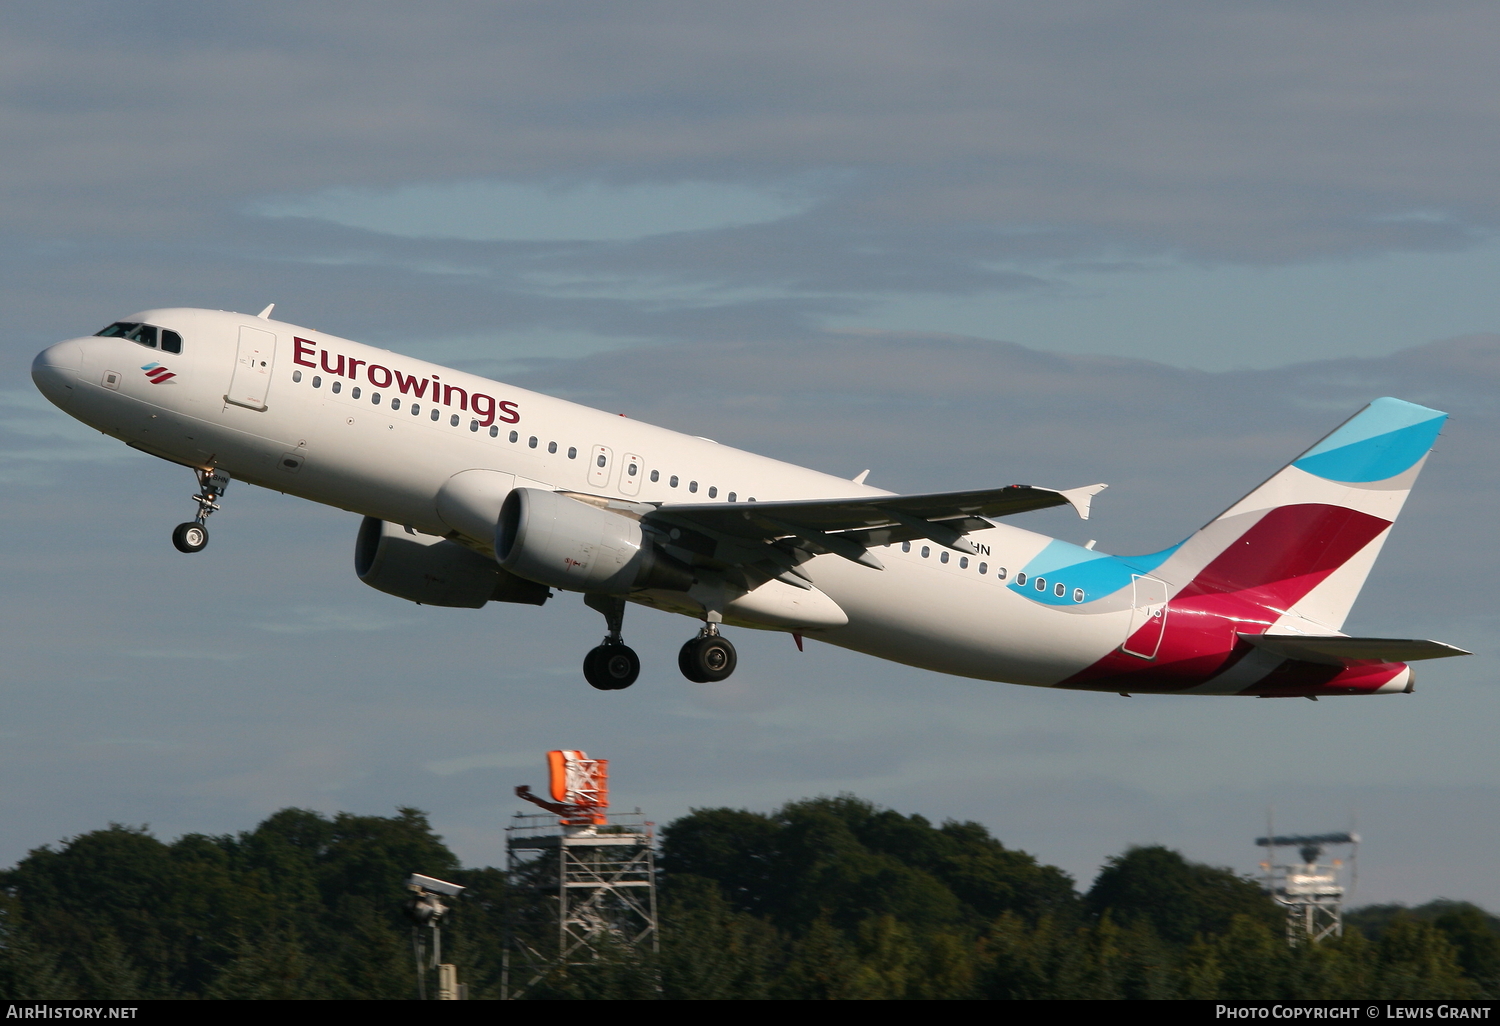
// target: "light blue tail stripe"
[[1374, 458]]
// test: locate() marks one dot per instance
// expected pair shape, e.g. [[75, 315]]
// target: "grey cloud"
[[1231, 130]]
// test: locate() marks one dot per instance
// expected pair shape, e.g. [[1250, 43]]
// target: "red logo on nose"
[[156, 373]]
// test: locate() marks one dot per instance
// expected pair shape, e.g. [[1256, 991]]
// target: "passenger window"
[[1000, 573], [602, 460], [473, 425], [296, 375], [963, 562], [416, 409], [573, 455], [531, 442], [943, 558], [318, 382], [655, 475], [926, 551], [1060, 590], [731, 496], [395, 404], [171, 342], [1020, 580], [436, 413], [337, 387], [552, 447], [692, 486], [515, 436], [494, 431], [1077, 594], [453, 421], [713, 492], [354, 392], [906, 546], [672, 481], [375, 398], [984, 568], [1041, 584]]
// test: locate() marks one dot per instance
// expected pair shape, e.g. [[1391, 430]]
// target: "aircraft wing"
[[1340, 651], [850, 527]]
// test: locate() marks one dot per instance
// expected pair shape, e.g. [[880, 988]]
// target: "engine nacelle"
[[433, 571], [558, 541]]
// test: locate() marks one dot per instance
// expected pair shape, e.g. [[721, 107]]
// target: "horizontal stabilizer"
[[1340, 651]]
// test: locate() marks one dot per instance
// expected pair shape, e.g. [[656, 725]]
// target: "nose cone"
[[55, 371]]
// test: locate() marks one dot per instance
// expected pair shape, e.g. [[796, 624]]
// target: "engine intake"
[[554, 540], [433, 571]]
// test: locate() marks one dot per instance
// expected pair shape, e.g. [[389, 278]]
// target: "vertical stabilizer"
[[1302, 544]]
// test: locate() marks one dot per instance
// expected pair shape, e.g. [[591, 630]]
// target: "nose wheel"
[[190, 537], [708, 658], [193, 535]]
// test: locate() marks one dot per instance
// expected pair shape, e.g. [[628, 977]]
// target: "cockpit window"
[[144, 334]]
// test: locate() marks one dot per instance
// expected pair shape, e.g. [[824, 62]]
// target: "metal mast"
[[1312, 893], [598, 871]]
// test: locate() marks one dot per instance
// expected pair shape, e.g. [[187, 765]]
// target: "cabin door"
[[252, 369], [1148, 618]]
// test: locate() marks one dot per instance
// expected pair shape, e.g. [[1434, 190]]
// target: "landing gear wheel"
[[611, 667], [707, 659], [190, 537]]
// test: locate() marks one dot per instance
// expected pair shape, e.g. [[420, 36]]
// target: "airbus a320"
[[474, 491]]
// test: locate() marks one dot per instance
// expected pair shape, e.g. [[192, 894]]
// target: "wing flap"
[[1341, 651]]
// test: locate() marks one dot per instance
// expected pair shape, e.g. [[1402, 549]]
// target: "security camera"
[[433, 884]]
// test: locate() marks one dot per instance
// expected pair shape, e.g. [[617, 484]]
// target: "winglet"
[[1079, 498], [265, 314]]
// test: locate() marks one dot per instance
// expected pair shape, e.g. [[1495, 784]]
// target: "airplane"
[[475, 491]]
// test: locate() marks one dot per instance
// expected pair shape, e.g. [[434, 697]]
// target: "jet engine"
[[433, 571], [554, 540]]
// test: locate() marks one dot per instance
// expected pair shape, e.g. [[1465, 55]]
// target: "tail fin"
[[1303, 542]]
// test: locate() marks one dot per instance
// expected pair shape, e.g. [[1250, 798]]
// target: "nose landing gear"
[[193, 535], [708, 658], [613, 665]]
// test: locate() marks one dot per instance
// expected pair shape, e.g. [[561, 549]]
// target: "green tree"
[[1178, 898]]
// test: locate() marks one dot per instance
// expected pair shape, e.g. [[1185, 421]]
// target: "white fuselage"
[[282, 425]]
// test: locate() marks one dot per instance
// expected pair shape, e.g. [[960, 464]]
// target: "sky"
[[1166, 246]]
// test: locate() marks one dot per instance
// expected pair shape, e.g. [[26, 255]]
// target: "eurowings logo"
[[157, 373]]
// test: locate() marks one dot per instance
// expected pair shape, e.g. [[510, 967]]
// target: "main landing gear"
[[613, 665], [193, 535], [708, 658]]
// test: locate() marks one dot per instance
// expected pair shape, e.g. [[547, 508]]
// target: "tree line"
[[829, 898]]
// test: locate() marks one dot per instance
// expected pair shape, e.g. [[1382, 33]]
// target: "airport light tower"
[[597, 870]]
